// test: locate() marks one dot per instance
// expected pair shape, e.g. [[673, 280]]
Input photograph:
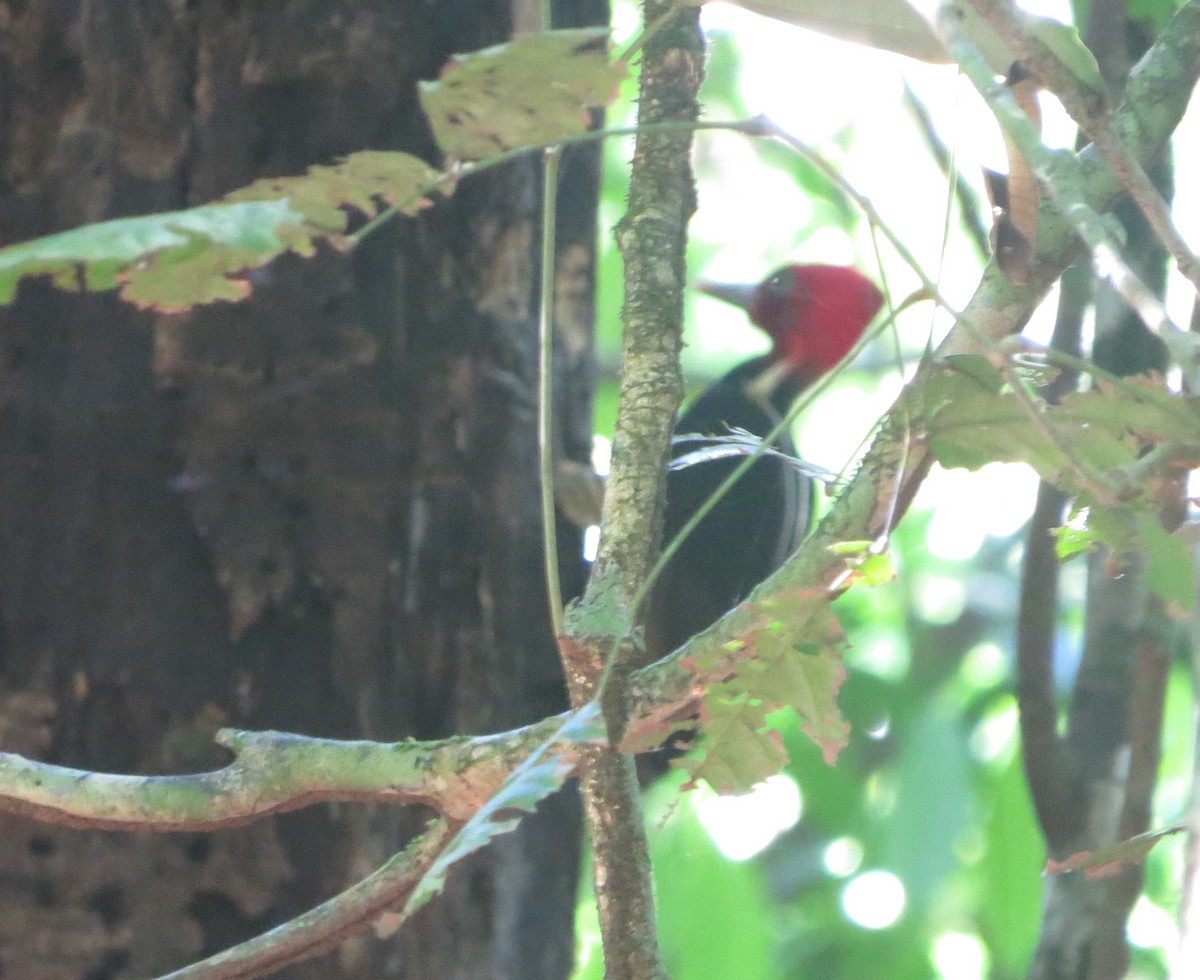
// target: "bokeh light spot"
[[960, 956], [843, 857], [874, 899]]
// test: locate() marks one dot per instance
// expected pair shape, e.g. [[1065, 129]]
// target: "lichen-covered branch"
[[652, 239], [273, 772]]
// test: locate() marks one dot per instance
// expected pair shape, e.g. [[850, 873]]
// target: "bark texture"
[[313, 511]]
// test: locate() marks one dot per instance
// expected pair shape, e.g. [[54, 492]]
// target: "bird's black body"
[[752, 530]]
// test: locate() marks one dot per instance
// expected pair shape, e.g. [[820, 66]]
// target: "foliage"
[[790, 656], [1086, 444], [516, 95], [173, 261], [915, 711]]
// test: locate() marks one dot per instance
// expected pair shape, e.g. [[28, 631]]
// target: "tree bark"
[[315, 510]]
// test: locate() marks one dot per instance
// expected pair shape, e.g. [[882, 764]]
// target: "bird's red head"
[[814, 314]]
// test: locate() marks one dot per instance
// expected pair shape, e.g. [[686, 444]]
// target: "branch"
[[319, 930], [1088, 108], [275, 772], [459, 775], [599, 647], [1082, 186]]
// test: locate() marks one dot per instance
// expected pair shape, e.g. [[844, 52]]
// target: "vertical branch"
[[599, 643], [551, 160], [1053, 783], [1187, 956]]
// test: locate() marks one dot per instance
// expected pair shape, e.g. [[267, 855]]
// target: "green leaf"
[[176, 260], [790, 656], [1072, 540], [858, 547], [968, 428], [929, 814], [874, 570], [530, 783], [1115, 526], [979, 369], [101, 256], [1170, 571], [1104, 861], [867, 568], [1010, 872], [739, 750], [531, 91], [1157, 12], [1140, 407]]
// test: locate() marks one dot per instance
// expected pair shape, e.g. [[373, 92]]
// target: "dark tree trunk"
[[315, 510]]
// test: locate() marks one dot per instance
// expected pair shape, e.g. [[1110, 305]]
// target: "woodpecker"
[[814, 315]]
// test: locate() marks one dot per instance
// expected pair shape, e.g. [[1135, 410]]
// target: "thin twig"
[[551, 159], [460, 170], [968, 205]]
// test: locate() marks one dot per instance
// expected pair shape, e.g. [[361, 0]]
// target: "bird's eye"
[[779, 286]]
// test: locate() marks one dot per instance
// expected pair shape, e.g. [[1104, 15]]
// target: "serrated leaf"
[[1115, 526], [970, 430], [362, 180], [794, 659], [738, 751], [531, 91], [959, 377], [530, 783], [1170, 570], [1152, 417], [1104, 861], [175, 260], [101, 255], [974, 430], [1072, 540]]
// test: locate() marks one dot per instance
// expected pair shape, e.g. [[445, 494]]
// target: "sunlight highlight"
[[1151, 926], [742, 826], [996, 734], [960, 956]]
